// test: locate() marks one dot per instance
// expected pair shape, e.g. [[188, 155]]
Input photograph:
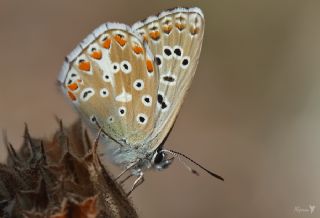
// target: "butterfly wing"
[[110, 79], [175, 39]]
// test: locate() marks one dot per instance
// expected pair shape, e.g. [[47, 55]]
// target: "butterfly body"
[[130, 82]]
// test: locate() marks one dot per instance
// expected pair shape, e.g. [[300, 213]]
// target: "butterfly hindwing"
[[110, 78], [175, 39]]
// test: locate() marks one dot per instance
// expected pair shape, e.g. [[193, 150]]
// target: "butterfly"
[[129, 82]]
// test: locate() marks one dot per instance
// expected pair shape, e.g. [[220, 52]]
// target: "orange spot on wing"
[[96, 55], [145, 38], [194, 31], [120, 40], [167, 29], [180, 26], [72, 96], [137, 49], [84, 65], [107, 43], [154, 35], [149, 66], [73, 86]]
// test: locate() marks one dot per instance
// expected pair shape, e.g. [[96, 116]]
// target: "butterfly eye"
[[138, 84], [158, 158], [125, 67]]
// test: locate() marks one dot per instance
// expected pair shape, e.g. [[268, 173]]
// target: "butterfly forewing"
[[111, 80], [175, 39]]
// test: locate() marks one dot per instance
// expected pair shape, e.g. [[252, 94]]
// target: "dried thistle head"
[[59, 178]]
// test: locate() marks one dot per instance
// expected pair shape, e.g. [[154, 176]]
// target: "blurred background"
[[252, 115]]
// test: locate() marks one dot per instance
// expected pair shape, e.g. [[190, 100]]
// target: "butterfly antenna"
[[178, 154]]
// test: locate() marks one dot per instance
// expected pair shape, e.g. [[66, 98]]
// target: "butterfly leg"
[[125, 179], [136, 183], [125, 170]]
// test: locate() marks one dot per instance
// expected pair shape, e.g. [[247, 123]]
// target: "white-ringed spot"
[[177, 52], [110, 119], [84, 64], [138, 84], [146, 100], [168, 79], [115, 67], [94, 52], [142, 118], [126, 67], [72, 77], [159, 60], [93, 119], [104, 92], [106, 77], [122, 111], [167, 52], [185, 62], [86, 94], [105, 41], [120, 37]]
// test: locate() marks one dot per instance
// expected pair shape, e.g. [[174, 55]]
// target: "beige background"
[[253, 113]]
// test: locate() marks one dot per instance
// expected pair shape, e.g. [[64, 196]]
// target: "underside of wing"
[[175, 39], [110, 79]]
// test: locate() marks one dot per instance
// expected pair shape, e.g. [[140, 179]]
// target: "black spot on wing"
[[168, 78]]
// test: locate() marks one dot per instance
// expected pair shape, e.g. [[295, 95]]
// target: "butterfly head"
[[160, 160]]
